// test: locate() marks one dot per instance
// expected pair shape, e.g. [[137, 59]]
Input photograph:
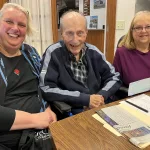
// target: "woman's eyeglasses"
[[139, 29]]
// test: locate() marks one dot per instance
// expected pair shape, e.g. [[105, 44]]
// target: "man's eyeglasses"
[[140, 29]]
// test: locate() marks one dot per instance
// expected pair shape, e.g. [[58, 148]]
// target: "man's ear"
[[61, 32], [86, 31]]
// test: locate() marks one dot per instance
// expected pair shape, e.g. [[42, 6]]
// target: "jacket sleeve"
[[51, 91], [110, 79], [7, 117]]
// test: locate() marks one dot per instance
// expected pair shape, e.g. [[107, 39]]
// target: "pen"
[[137, 106]]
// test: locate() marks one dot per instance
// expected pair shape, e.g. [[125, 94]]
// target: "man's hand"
[[96, 101]]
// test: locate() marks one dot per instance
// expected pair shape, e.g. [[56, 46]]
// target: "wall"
[[139, 6], [125, 11]]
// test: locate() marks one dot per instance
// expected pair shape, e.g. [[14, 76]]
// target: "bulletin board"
[[95, 13]]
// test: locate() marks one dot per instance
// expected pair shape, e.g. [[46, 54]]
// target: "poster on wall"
[[99, 4], [96, 18], [92, 22]]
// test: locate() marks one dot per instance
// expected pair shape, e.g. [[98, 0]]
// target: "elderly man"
[[76, 72]]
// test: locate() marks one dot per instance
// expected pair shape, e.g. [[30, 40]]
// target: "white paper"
[[129, 106], [120, 116], [142, 100], [139, 86]]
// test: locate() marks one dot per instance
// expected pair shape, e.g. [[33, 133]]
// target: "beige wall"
[[125, 11]]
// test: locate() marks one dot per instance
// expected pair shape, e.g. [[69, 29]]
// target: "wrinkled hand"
[[96, 101]]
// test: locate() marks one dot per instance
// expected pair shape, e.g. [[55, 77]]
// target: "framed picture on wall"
[[99, 4]]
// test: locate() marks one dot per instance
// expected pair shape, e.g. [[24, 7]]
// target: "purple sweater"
[[133, 65]]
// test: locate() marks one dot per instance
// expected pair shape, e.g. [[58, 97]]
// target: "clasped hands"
[[96, 101]]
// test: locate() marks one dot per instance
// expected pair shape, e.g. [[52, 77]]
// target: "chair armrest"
[[124, 89], [62, 106], [122, 93]]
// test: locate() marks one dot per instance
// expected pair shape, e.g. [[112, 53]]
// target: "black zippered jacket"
[[58, 83]]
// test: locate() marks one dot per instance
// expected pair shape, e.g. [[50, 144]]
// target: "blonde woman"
[[132, 58], [20, 103]]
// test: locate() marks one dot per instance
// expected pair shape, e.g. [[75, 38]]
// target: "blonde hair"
[[128, 40], [6, 6]]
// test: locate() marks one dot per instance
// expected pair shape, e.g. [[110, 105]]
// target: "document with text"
[[128, 125]]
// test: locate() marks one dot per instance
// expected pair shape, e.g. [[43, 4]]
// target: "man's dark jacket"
[[58, 83]]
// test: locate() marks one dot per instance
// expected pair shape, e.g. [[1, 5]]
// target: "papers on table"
[[115, 115], [139, 86], [144, 117], [141, 102], [127, 120], [106, 125]]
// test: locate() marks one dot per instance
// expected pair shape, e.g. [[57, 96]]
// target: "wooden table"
[[83, 132]]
